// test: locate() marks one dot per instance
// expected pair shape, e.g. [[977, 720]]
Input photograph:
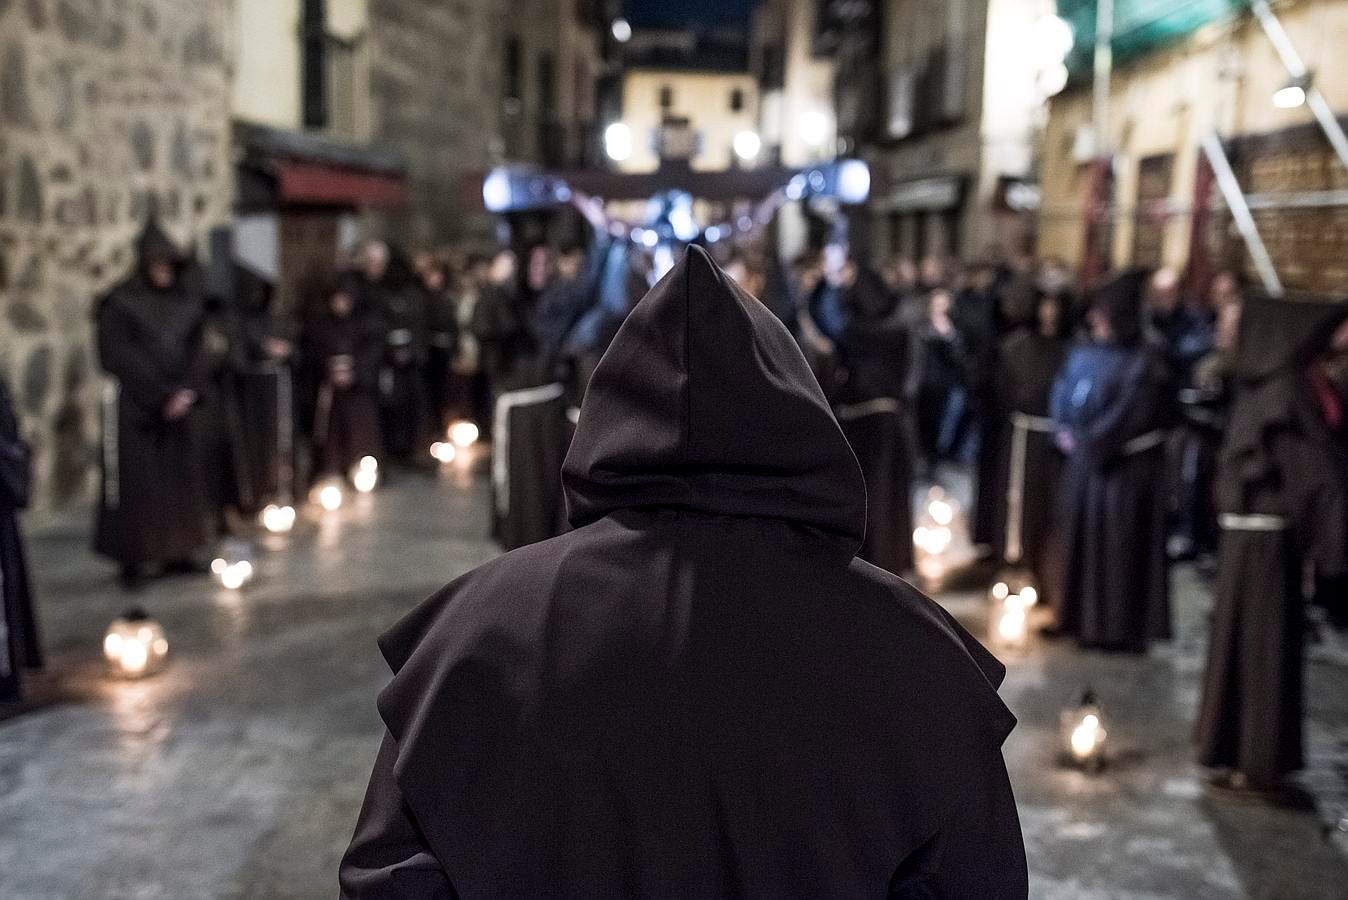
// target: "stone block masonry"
[[108, 108]]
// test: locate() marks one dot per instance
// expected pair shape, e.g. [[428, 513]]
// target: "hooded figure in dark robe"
[[872, 352], [1030, 358], [20, 647], [342, 350], [532, 430], [390, 297], [152, 506], [1282, 496], [699, 692], [263, 379], [1109, 580]]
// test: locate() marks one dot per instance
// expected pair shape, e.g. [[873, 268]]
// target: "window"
[[513, 76], [666, 97], [737, 100], [314, 67]]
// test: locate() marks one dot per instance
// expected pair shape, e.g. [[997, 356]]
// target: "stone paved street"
[[238, 772]]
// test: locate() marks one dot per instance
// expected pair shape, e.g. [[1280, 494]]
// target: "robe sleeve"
[[388, 858], [122, 356], [979, 851]]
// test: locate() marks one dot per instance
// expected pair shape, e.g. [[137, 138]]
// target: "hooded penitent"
[[1108, 580], [1282, 495], [698, 692], [152, 503]]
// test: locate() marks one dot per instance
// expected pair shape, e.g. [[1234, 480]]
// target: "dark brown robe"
[[698, 692], [1282, 495]]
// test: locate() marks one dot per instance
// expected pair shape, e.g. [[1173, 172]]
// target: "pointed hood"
[[1277, 334], [704, 402], [154, 245]]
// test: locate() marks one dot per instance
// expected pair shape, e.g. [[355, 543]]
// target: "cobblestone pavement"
[[238, 772]]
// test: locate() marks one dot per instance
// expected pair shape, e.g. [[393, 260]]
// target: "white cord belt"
[[1021, 426], [112, 487], [500, 463], [1144, 442], [1251, 522], [874, 407]]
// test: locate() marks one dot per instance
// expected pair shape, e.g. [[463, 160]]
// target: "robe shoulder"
[[536, 625]]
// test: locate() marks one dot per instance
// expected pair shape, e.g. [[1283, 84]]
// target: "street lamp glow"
[[747, 145], [1052, 79], [1051, 38], [621, 30], [1289, 97], [813, 127], [618, 141]]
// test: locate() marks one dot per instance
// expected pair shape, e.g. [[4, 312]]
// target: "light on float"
[[328, 494], [135, 646], [278, 519], [747, 145], [442, 451], [854, 181], [618, 141], [365, 476], [464, 433], [1083, 733]]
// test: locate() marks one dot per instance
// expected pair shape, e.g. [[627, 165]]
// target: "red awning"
[[326, 185]]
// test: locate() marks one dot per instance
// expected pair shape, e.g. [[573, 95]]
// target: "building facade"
[[106, 113], [946, 110], [276, 132], [1216, 74]]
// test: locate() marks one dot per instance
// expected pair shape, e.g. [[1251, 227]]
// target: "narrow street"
[[237, 773]]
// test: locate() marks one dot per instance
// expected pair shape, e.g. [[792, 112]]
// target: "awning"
[[323, 185], [278, 167]]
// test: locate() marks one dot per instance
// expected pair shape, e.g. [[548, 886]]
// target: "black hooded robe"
[[872, 408], [153, 503], [1109, 580], [345, 425], [699, 692], [1282, 493], [20, 646]]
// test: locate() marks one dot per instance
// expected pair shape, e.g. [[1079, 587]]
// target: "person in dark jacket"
[[342, 350], [699, 692], [153, 503], [20, 645], [1109, 584], [1282, 493]]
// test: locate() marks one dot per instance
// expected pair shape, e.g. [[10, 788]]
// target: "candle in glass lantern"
[[1084, 733], [463, 433], [328, 494], [135, 646], [278, 519], [365, 476]]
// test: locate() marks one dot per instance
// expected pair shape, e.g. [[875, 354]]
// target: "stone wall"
[[107, 108], [436, 96]]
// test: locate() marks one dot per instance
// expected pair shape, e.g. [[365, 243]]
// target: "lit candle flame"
[[464, 433]]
